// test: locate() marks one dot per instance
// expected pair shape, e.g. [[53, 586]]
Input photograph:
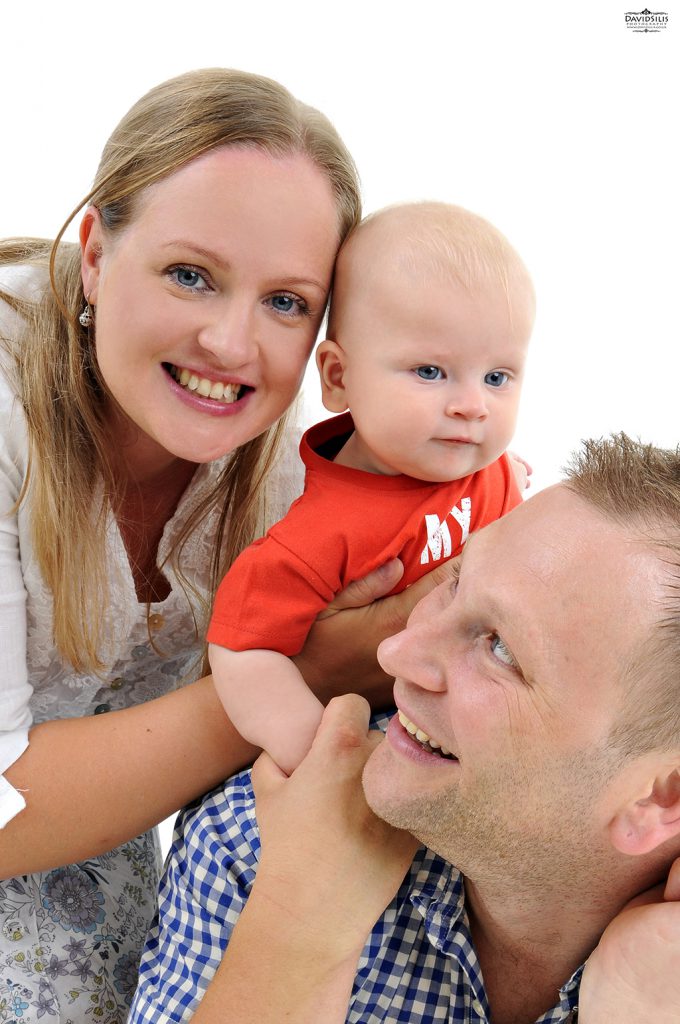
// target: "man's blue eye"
[[429, 372], [500, 651], [496, 379]]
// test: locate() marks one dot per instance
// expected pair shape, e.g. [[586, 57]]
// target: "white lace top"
[[35, 683]]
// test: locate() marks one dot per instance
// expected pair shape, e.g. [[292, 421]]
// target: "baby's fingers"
[[267, 776]]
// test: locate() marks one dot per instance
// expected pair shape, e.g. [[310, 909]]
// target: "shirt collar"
[[437, 892]]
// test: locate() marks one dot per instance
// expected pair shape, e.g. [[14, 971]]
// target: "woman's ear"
[[649, 818], [330, 362], [91, 250]]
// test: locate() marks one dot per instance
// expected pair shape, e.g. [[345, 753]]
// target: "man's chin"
[[379, 783]]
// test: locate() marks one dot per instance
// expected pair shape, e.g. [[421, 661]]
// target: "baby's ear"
[[650, 817], [330, 362]]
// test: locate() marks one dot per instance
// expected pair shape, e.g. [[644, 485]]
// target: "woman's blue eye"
[[289, 305], [496, 379], [429, 373], [188, 278], [500, 651]]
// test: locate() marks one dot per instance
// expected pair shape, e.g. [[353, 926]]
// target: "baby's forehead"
[[409, 256], [433, 240]]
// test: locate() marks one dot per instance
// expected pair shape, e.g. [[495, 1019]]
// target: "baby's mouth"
[[215, 389], [426, 742]]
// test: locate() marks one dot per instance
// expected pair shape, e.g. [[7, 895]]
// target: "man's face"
[[516, 673]]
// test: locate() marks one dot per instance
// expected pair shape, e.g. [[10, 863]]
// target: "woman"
[[146, 377]]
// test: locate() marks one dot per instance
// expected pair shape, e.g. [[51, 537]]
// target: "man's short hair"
[[638, 487]]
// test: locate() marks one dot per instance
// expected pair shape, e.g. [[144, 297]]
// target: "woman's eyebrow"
[[199, 250]]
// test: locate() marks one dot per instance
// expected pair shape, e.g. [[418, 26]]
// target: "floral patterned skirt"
[[70, 939]]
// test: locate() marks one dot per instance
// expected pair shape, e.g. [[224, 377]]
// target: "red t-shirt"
[[346, 523]]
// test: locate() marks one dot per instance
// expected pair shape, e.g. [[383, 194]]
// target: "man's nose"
[[412, 655], [468, 401], [231, 335]]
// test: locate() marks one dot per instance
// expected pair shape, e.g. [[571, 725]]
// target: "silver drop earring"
[[86, 318]]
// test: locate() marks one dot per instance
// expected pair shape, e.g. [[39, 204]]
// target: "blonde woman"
[[144, 442]]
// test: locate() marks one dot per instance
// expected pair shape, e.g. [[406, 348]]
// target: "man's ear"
[[330, 362], [91, 232], [651, 817]]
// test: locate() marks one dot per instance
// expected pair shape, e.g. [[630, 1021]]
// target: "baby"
[[429, 326]]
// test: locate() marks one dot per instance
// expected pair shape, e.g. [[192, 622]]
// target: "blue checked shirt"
[[418, 966]]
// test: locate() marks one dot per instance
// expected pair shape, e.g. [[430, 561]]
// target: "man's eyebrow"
[[219, 261], [471, 540], [502, 615]]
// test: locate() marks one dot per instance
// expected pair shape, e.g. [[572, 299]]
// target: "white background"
[[555, 121]]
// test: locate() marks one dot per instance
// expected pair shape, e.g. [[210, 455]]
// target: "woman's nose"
[[468, 402], [231, 335]]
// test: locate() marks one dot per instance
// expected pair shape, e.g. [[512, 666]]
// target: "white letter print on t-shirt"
[[439, 536]]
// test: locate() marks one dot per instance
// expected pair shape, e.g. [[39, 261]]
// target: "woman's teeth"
[[227, 393], [426, 742]]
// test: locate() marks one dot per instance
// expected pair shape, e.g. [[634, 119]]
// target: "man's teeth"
[[207, 388], [425, 741]]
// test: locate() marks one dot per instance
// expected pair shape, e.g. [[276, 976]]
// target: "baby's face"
[[433, 373]]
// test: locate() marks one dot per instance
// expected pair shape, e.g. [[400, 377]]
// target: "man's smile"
[[427, 742]]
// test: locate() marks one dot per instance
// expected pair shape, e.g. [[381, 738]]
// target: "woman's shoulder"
[[27, 283], [18, 281]]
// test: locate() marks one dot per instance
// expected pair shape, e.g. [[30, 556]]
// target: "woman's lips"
[[206, 387], [206, 395]]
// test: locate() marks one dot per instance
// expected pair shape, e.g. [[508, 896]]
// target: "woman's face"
[[209, 302]]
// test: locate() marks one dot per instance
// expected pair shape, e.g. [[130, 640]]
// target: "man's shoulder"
[[220, 826]]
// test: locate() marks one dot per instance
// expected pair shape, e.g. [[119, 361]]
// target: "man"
[[536, 748]]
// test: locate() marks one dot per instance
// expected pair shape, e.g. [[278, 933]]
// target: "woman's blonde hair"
[[55, 363]]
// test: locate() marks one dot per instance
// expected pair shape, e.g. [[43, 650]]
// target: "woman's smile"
[[208, 394]]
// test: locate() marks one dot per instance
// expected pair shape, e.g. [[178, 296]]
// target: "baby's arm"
[[268, 701], [521, 470]]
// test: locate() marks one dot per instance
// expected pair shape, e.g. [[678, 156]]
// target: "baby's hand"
[[521, 469]]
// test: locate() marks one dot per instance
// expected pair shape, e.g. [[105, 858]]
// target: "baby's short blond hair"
[[433, 239]]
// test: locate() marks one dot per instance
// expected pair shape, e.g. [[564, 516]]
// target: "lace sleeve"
[[15, 691]]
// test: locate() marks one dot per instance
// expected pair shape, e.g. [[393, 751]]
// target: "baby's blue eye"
[[284, 303], [496, 379], [429, 373]]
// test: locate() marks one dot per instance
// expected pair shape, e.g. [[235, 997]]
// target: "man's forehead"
[[532, 532], [557, 558]]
